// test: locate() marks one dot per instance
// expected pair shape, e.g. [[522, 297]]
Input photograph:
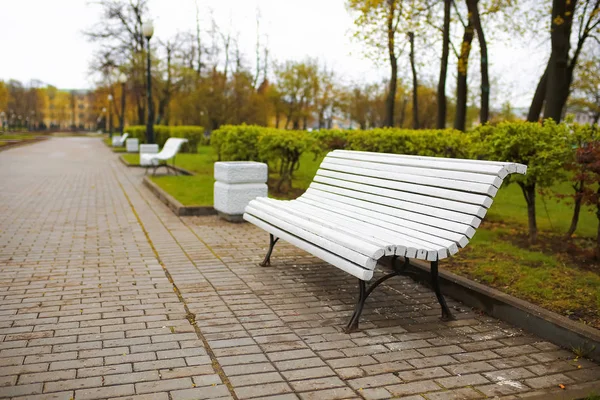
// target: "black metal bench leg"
[[363, 293], [360, 303], [446, 314], [267, 261]]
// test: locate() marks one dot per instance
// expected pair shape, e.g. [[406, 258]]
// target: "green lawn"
[[549, 280], [497, 256]]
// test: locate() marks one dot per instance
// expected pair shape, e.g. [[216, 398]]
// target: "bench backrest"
[[443, 197], [171, 147]]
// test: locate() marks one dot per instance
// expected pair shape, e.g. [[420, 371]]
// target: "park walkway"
[[105, 293]]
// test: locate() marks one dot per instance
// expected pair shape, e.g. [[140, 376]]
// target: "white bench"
[[160, 159], [363, 208], [119, 141]]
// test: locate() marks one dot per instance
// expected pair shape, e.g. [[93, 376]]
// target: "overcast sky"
[[42, 39]]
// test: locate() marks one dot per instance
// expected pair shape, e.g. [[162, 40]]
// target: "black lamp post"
[[123, 80], [148, 31], [110, 99]]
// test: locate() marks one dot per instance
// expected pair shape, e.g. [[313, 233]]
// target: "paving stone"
[[308, 373], [456, 394], [255, 379], [412, 388], [330, 394], [374, 381], [462, 380], [548, 381], [317, 384], [246, 392], [104, 392]]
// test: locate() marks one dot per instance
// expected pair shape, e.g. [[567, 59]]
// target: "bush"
[[542, 147], [194, 135], [237, 142], [283, 149], [436, 143]]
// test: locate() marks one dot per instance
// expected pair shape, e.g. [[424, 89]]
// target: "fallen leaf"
[[560, 385]]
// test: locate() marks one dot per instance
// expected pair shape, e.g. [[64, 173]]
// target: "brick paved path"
[[104, 293]]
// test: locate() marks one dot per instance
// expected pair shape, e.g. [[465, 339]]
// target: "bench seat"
[[362, 207]]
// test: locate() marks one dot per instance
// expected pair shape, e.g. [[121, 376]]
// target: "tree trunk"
[[460, 119], [537, 104], [441, 93], [402, 112], [484, 111], [391, 97], [598, 233], [576, 209], [529, 193], [557, 89], [415, 97]]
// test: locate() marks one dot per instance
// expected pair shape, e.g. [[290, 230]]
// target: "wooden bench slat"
[[305, 211], [379, 227], [384, 231], [374, 217], [500, 171], [358, 251], [427, 195], [513, 167], [341, 263], [384, 196], [411, 218], [475, 193], [334, 223], [435, 177]]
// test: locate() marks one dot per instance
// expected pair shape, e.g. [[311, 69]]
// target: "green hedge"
[[194, 135], [281, 149]]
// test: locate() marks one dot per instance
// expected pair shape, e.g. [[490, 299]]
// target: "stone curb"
[[546, 324], [179, 169], [178, 208], [23, 142], [577, 391]]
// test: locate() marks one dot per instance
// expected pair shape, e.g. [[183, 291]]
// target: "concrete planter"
[[147, 149], [237, 183], [132, 145]]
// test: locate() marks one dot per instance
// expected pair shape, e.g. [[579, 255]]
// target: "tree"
[[415, 82], [581, 137], [3, 97], [553, 89], [441, 92], [378, 23], [474, 17], [588, 161], [298, 83], [122, 42], [586, 88], [462, 67]]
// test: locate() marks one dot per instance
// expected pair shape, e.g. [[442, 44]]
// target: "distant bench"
[[362, 208], [161, 159]]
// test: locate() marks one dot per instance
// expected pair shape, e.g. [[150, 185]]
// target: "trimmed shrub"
[[237, 142], [542, 147], [436, 143]]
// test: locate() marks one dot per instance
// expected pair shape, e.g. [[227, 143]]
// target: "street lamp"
[[110, 99], [123, 80], [148, 31], [104, 115]]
